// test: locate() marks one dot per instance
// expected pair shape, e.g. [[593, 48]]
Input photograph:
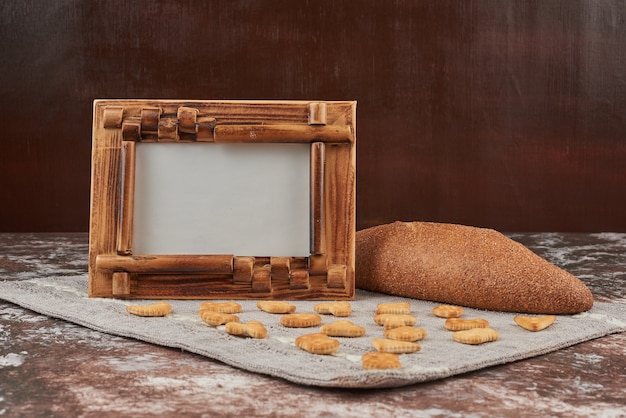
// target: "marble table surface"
[[50, 367]]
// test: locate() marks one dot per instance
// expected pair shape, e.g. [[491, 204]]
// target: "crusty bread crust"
[[464, 265]]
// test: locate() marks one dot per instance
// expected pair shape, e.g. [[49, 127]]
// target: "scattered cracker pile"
[[463, 265]]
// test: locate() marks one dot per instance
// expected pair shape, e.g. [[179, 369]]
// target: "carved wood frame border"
[[327, 273]]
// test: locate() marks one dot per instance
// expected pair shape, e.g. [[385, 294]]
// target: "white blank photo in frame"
[[242, 199]]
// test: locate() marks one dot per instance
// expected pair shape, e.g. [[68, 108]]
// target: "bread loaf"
[[464, 265]]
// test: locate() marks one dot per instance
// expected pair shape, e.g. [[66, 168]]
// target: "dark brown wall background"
[[506, 114]]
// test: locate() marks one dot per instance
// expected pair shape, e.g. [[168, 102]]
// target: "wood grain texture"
[[505, 114], [127, 194], [317, 198]]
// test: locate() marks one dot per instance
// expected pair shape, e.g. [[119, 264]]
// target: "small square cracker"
[[394, 308], [385, 345], [457, 324], [300, 320], [476, 336], [395, 320], [222, 307], [343, 328], [405, 333]]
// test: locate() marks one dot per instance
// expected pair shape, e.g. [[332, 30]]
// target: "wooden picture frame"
[[327, 273]]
